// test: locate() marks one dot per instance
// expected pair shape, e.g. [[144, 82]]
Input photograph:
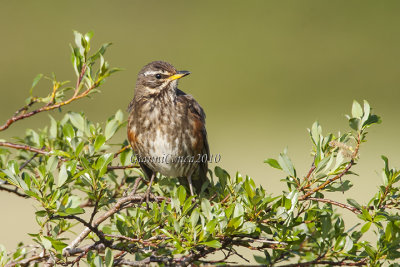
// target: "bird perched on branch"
[[166, 127]]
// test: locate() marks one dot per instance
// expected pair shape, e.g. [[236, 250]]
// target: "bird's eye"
[[158, 76]]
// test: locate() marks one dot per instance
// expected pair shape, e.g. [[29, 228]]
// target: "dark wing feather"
[[198, 114]]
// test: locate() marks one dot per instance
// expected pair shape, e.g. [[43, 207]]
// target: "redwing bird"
[[166, 127]]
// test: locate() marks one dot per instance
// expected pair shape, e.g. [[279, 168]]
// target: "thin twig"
[[76, 96], [29, 160], [13, 191], [92, 228], [26, 262], [132, 166], [327, 182], [350, 208], [307, 178], [24, 147], [94, 245], [121, 150], [96, 206]]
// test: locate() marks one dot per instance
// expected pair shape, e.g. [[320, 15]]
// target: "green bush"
[[78, 178]]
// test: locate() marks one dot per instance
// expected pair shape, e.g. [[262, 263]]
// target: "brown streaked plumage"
[[165, 123]]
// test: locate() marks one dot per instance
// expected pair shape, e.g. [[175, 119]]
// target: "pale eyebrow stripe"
[[152, 72]]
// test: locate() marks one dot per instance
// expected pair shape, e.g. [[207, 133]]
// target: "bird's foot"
[[147, 194]]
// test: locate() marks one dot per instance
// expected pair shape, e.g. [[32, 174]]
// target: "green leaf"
[[101, 51], [248, 227], [370, 250], [109, 259], [53, 128], [366, 227], [119, 116], [265, 261], [181, 194], [102, 163], [206, 208], [46, 242], [322, 164], [354, 123], [379, 218], [212, 243], [78, 42], [111, 128], [210, 226], [35, 82], [286, 164], [348, 245], [63, 175], [315, 133], [250, 188], [222, 175], [229, 210], [60, 153], [366, 215], [15, 179], [79, 148], [367, 110], [68, 131], [100, 140], [372, 119], [167, 233], [389, 231], [238, 211], [188, 204], [57, 244], [339, 187], [273, 163], [354, 203], [51, 164], [97, 261], [41, 213], [194, 218], [356, 110], [293, 196], [386, 161], [72, 211], [77, 120]]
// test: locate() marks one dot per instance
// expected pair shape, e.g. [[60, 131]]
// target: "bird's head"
[[158, 76]]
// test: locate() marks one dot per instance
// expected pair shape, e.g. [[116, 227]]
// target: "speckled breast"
[[164, 140]]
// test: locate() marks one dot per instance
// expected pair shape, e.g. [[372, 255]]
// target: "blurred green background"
[[264, 71]]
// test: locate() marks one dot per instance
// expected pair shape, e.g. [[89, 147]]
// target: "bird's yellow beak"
[[179, 75]]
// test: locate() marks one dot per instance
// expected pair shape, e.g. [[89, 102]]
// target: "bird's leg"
[[147, 195], [190, 184]]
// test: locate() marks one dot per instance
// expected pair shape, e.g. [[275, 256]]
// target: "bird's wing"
[[196, 112]]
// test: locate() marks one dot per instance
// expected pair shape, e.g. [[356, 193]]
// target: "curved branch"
[[327, 182], [24, 147], [350, 208], [13, 191], [48, 106]]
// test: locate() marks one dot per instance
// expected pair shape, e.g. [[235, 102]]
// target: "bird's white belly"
[[163, 155]]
